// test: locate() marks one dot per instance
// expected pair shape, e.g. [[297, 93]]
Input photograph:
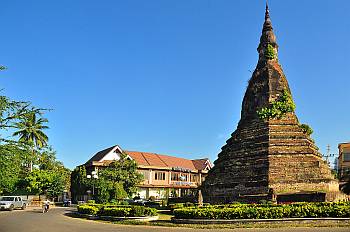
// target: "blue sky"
[[169, 76]]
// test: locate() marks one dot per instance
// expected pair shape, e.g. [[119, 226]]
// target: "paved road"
[[32, 220]]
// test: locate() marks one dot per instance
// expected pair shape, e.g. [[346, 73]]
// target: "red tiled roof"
[[153, 159]]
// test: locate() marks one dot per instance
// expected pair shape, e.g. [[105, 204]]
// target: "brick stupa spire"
[[269, 155]]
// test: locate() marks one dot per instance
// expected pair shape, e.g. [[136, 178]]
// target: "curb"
[[242, 221]]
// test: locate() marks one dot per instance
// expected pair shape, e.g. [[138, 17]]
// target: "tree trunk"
[[31, 161]]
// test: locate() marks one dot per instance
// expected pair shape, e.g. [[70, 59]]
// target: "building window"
[[193, 178], [145, 174], [346, 156], [179, 177], [184, 177], [174, 176], [159, 175]]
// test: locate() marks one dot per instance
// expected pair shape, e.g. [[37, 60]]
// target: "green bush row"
[[117, 211], [245, 211], [270, 204], [88, 209], [135, 211]]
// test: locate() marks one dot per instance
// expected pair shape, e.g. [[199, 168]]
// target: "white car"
[[12, 202]]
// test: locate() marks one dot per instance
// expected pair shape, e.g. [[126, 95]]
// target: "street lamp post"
[[93, 177]]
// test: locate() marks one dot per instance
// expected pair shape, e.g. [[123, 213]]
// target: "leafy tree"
[[30, 132], [50, 176], [118, 180], [37, 181], [103, 194], [79, 182], [48, 182], [12, 172], [10, 167], [122, 172], [48, 162]]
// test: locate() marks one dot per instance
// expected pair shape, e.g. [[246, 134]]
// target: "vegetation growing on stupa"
[[283, 105], [270, 52], [306, 129]]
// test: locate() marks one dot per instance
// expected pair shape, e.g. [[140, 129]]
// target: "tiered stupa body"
[[270, 157]]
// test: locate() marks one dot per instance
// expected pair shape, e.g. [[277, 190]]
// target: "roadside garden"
[[266, 211], [320, 214], [116, 210]]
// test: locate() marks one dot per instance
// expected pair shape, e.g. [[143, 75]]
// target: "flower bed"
[[248, 211], [116, 210]]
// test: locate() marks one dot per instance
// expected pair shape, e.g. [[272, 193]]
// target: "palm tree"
[[30, 132]]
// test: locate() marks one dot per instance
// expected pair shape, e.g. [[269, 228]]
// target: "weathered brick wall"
[[295, 165], [242, 166]]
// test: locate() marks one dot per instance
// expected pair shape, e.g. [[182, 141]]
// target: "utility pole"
[[328, 154]]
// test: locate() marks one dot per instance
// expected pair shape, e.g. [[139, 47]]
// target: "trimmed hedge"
[[246, 211], [117, 211], [88, 209]]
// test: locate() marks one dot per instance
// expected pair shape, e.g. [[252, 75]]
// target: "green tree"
[[12, 171], [10, 167], [30, 131], [50, 178], [103, 194], [79, 182], [118, 180], [48, 182], [61, 178], [11, 111]]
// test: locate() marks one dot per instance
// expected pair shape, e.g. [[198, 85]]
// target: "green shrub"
[[113, 201], [91, 202], [137, 211], [88, 209], [123, 203], [176, 206], [116, 210], [277, 109], [306, 129], [247, 211], [270, 52], [150, 211], [132, 211]]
